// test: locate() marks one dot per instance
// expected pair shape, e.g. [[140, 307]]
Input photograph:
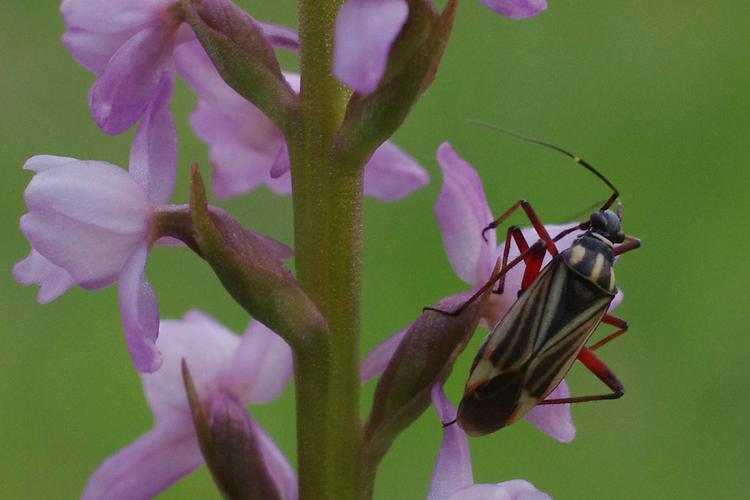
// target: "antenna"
[[580, 161]]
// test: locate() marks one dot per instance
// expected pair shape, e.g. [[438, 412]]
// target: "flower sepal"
[[229, 444], [243, 55], [423, 358], [250, 268], [413, 60]]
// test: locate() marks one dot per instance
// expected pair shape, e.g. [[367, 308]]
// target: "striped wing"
[[532, 348]]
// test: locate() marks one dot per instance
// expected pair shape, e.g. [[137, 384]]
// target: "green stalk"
[[328, 247]]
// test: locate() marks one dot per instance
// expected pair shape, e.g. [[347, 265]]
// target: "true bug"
[[532, 348]]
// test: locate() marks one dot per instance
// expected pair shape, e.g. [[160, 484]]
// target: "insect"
[[532, 348]]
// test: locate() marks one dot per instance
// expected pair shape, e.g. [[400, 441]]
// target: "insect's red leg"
[[622, 327], [602, 372], [533, 261], [533, 218], [632, 244]]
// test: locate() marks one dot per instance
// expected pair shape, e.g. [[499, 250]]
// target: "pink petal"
[[517, 489], [452, 469], [139, 313], [153, 155], [462, 212], [147, 466], [262, 365], [36, 270], [206, 346], [243, 145], [279, 36], [554, 420], [277, 464], [516, 9], [123, 91], [377, 360], [365, 30], [391, 174]]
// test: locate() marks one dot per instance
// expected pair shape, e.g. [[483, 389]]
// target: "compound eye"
[[618, 237], [598, 220]]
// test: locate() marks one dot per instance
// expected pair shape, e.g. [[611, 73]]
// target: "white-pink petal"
[[391, 174], [276, 464], [377, 360], [516, 9], [40, 163], [206, 346], [95, 193], [149, 465], [554, 420], [139, 312], [365, 31], [452, 469], [462, 213], [261, 366], [36, 270], [516, 489], [126, 86], [153, 154]]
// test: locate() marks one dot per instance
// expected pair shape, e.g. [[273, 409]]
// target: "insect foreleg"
[[533, 262], [602, 372], [631, 243]]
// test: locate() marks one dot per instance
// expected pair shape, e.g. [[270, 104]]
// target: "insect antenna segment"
[[615, 192]]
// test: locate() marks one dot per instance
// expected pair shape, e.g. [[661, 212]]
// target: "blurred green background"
[[654, 93]]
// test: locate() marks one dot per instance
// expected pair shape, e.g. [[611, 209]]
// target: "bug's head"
[[607, 223]]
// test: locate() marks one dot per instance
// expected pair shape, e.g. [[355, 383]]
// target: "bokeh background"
[[654, 93]]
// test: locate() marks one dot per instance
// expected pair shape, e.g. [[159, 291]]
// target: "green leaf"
[[244, 58]]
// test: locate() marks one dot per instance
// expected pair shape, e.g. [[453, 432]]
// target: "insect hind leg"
[[602, 372]]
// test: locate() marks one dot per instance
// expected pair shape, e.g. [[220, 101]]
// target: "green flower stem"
[[328, 247]]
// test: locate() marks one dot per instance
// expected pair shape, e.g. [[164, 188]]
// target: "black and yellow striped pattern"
[[532, 348]]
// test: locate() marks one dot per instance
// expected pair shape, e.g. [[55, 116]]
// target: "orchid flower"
[[247, 149], [129, 46], [226, 370], [452, 477], [367, 29], [89, 224]]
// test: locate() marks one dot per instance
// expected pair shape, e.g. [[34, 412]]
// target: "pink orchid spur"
[[227, 371], [247, 149], [367, 29], [452, 476], [462, 213], [90, 224]]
